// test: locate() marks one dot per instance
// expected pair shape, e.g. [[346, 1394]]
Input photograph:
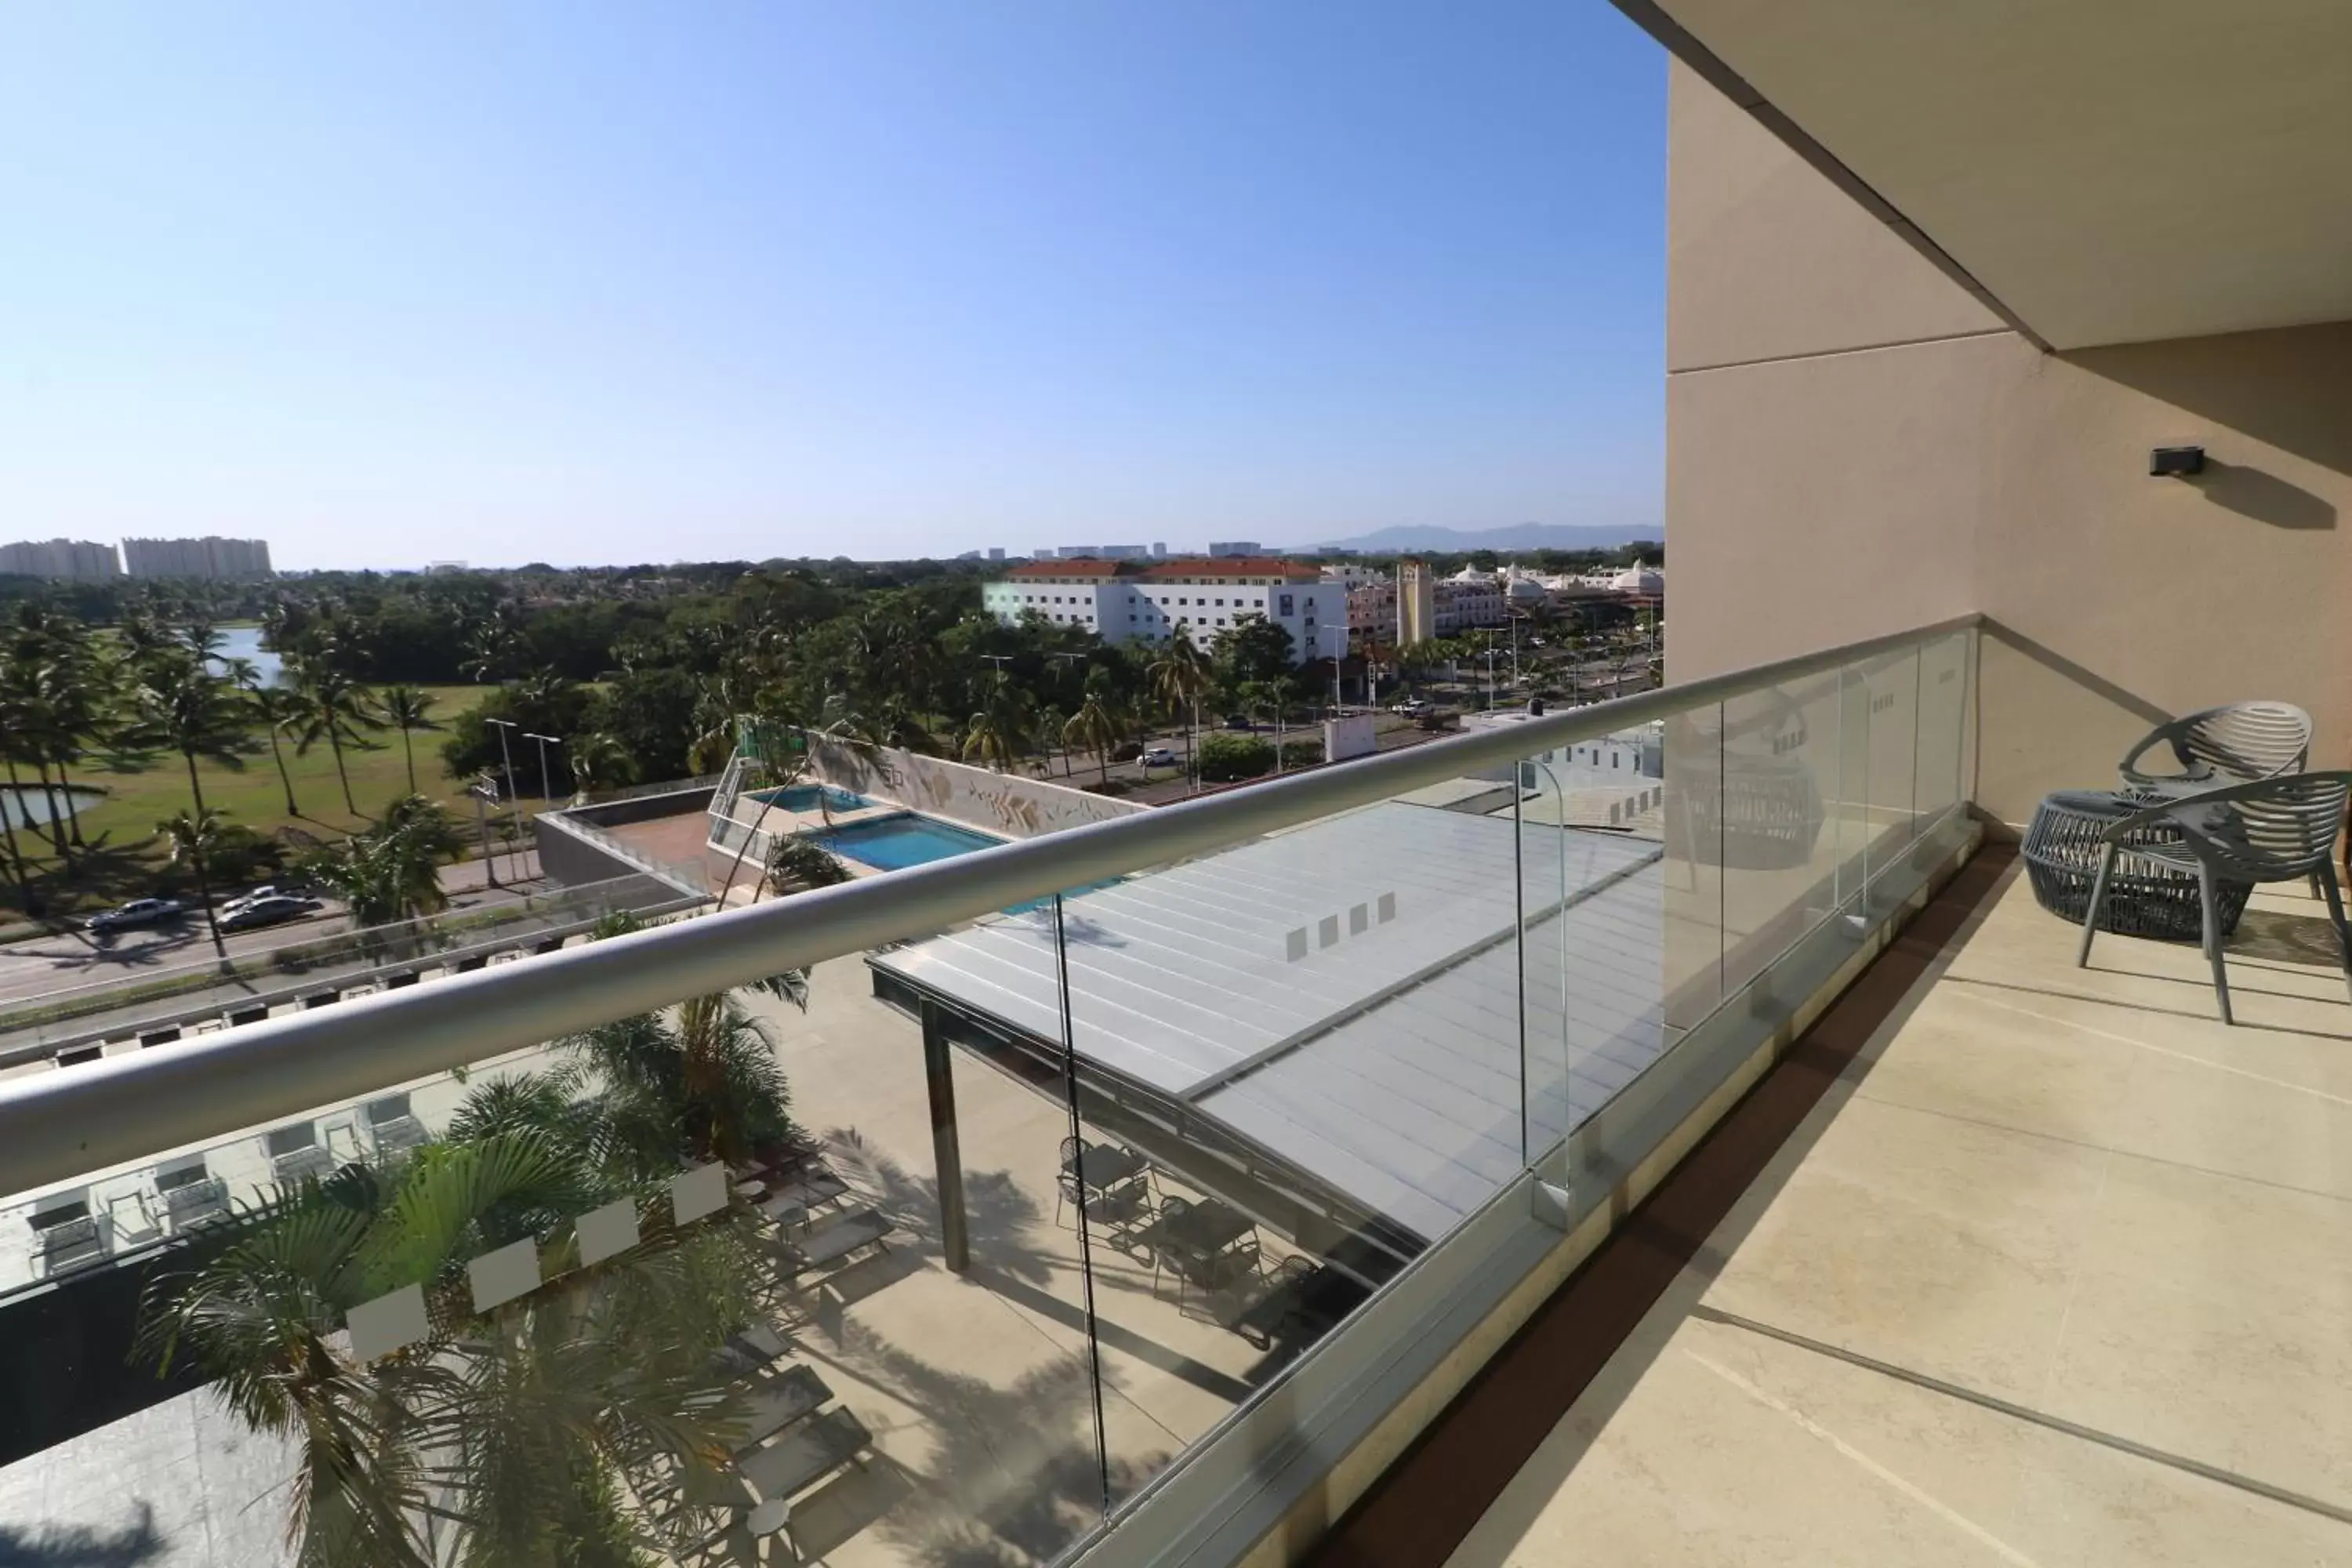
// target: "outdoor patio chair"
[[1066, 1188], [194, 1202], [2270, 830], [131, 1219], [295, 1155], [69, 1232], [2235, 744], [392, 1126]]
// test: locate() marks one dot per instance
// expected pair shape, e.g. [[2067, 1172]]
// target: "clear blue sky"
[[588, 282]]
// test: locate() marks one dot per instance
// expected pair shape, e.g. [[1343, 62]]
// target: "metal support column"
[[939, 1081]]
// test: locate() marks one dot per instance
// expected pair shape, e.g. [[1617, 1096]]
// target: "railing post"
[[938, 1079]]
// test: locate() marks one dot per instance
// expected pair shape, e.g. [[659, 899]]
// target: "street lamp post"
[[484, 790], [1339, 653], [505, 755], [546, 779]]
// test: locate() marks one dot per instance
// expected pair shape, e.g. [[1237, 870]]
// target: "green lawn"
[[121, 827]]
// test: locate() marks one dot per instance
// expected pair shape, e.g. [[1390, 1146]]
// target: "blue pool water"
[[804, 797], [895, 843]]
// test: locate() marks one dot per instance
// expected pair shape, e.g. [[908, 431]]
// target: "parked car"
[[1237, 721], [268, 911], [1412, 706], [138, 912], [254, 895], [1159, 757]]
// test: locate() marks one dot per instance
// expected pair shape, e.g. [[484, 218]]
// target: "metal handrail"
[[55, 1127]]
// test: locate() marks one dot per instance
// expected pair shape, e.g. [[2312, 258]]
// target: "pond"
[[245, 642], [24, 806]]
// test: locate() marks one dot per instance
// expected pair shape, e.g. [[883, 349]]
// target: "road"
[[43, 966]]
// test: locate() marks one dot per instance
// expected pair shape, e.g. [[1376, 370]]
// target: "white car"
[[1158, 757], [267, 890], [268, 911], [1411, 706]]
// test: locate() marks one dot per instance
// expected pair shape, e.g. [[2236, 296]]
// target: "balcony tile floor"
[[2060, 1272]]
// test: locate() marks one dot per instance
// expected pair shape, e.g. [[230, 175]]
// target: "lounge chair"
[[852, 1233]]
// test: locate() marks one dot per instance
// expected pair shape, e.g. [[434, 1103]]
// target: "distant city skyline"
[[596, 286]]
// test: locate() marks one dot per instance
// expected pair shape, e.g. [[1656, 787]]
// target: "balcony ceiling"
[[2111, 171]]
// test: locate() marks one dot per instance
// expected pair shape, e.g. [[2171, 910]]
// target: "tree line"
[[142, 693]]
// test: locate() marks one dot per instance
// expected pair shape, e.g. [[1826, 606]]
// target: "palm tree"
[[797, 863], [1179, 678], [599, 761], [279, 711], [1099, 726], [407, 710], [24, 737], [390, 871], [183, 707], [525, 1434], [1000, 732], [76, 687], [334, 708], [194, 836], [705, 1087]]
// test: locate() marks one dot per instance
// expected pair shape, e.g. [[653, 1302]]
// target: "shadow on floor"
[[2286, 938], [81, 1546], [1013, 1475]]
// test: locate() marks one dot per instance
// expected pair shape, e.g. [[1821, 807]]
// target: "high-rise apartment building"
[[70, 560], [1416, 603], [1234, 547], [209, 559]]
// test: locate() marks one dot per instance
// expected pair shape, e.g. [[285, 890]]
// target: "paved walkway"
[[2059, 1272]]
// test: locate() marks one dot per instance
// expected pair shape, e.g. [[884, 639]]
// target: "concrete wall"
[[1002, 803], [1855, 446]]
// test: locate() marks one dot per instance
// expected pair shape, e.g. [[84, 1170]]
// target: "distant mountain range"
[[1519, 536]]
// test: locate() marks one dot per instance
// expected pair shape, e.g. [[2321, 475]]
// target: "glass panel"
[[1942, 715], [1850, 810], [1781, 780], [1691, 912], [1892, 683], [795, 1242], [142, 999], [1593, 832]]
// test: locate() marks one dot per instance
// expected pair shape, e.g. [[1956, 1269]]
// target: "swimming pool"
[[895, 843], [805, 798]]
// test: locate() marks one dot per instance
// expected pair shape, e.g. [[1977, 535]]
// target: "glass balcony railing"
[[1003, 1208]]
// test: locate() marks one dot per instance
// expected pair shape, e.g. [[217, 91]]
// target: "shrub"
[[1302, 753], [1227, 757]]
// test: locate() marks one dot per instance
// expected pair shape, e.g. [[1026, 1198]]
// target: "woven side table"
[[2145, 897]]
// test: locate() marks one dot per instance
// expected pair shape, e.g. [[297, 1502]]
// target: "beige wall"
[[1855, 447]]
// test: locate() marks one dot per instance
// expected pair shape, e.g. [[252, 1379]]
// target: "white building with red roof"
[[1125, 601]]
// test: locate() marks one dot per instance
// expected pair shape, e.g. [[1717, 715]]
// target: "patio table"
[[2145, 897]]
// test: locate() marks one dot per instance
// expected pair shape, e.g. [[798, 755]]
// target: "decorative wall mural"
[[994, 803]]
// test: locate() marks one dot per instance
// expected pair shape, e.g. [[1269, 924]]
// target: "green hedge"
[[1226, 757]]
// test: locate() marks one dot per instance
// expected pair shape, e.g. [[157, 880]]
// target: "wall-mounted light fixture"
[[2177, 461]]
